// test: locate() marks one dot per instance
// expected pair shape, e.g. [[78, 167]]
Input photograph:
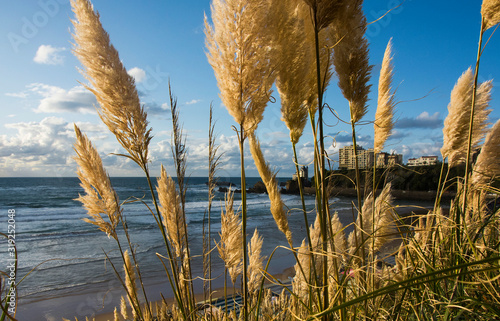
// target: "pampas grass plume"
[[239, 53], [100, 198], [490, 11], [123, 308], [255, 262], [456, 124], [229, 248], [385, 107], [109, 81], [351, 58], [487, 165], [130, 283], [293, 68], [376, 230], [171, 212], [269, 179], [300, 282]]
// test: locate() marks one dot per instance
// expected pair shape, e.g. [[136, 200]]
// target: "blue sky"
[[41, 95]]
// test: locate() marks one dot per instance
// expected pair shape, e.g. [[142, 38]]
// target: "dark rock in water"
[[259, 187], [223, 189], [292, 186]]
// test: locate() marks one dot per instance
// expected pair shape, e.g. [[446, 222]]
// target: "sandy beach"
[[101, 303]]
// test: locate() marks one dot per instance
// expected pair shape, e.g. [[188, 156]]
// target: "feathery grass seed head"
[[487, 165], [350, 58], [385, 107], [100, 198], [171, 212], [109, 81], [456, 124], [269, 179], [255, 262], [490, 11], [229, 248], [240, 55]]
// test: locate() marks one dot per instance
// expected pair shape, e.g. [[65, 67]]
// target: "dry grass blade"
[[385, 107], [351, 58], [109, 81], [490, 10], [178, 146], [100, 198], [456, 124]]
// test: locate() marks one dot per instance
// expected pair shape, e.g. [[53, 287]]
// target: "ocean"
[[60, 255]]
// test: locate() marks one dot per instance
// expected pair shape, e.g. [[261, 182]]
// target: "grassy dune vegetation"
[[447, 265]]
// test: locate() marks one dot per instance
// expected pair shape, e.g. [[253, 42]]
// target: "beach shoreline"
[[100, 303]]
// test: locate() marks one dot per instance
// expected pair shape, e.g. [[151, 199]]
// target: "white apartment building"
[[347, 159], [423, 161]]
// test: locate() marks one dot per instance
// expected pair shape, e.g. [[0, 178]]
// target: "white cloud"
[[45, 148], [425, 116], [17, 95], [138, 74], [48, 55], [58, 100], [192, 102]]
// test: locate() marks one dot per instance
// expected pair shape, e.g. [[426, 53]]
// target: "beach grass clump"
[[445, 259]]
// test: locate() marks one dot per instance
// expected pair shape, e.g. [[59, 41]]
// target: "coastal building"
[[303, 172], [347, 158], [423, 161], [386, 160]]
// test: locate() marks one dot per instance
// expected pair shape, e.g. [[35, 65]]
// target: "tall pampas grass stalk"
[[179, 154], [353, 69], [488, 20], [240, 55], [100, 198], [114, 88], [322, 14], [117, 96]]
